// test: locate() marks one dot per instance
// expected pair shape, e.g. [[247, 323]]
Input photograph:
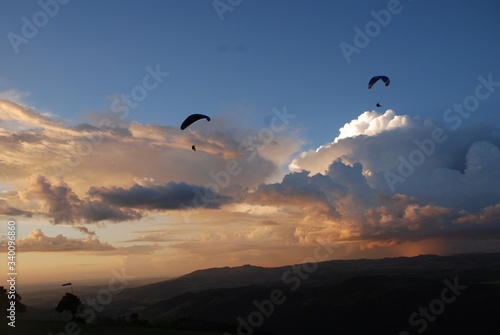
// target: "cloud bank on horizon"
[[384, 180]]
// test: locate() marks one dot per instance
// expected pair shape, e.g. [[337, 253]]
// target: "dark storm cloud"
[[170, 196], [62, 205]]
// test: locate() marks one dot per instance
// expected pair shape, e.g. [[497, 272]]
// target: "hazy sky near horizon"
[[97, 174]]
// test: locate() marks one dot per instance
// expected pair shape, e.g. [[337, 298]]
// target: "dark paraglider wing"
[[385, 79], [193, 118]]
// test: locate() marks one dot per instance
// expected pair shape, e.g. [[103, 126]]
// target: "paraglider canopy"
[[193, 118], [385, 79]]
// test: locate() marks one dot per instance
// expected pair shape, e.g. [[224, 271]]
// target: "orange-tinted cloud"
[[37, 241]]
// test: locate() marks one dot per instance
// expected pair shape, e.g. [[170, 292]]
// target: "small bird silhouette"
[[193, 147]]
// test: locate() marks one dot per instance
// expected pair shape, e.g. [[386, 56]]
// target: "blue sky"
[[123, 189], [263, 55]]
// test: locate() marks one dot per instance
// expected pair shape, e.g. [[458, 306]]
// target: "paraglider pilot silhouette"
[[372, 82], [191, 119]]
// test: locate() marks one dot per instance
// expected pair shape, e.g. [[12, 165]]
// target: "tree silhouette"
[[135, 321], [70, 303], [5, 302], [134, 317]]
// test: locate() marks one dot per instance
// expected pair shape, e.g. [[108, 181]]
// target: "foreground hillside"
[[360, 305], [30, 327]]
